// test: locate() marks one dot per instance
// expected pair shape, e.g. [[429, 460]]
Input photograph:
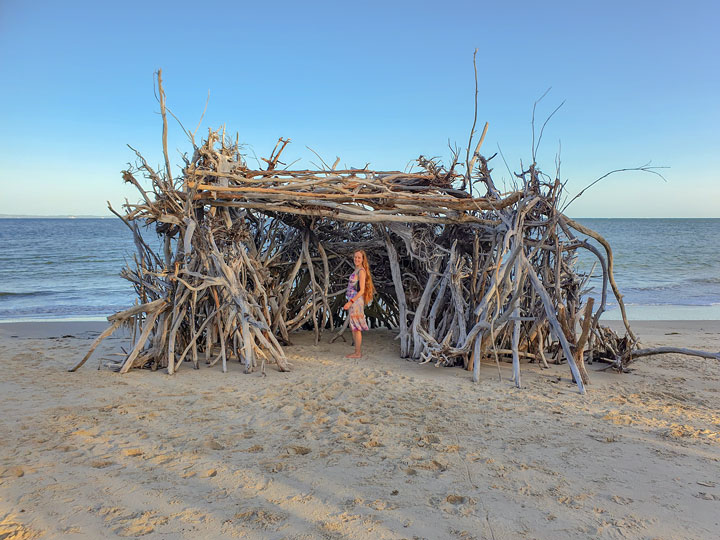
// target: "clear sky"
[[377, 82]]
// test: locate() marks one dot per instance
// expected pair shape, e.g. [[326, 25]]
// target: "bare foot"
[[354, 355]]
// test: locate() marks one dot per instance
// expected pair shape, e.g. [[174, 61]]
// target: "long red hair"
[[369, 287]]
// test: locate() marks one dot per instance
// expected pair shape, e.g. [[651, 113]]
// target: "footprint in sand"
[[17, 472], [11, 528], [454, 504], [372, 444], [263, 519], [213, 444], [380, 505], [134, 524], [162, 459], [707, 496]]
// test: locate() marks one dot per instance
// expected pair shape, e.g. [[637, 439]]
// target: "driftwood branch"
[[638, 353]]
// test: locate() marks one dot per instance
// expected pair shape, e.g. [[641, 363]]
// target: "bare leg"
[[357, 338]]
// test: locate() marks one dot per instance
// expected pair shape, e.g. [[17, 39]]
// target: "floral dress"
[[357, 308]]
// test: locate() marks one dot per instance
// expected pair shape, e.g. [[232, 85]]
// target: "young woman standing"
[[360, 292]]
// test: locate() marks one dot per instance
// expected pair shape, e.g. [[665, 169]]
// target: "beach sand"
[[372, 448]]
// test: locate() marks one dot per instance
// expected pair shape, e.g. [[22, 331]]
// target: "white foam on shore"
[[665, 312], [79, 318]]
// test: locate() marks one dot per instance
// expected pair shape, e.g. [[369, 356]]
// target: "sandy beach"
[[372, 448]]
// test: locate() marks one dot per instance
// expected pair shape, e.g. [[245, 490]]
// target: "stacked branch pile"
[[251, 255]]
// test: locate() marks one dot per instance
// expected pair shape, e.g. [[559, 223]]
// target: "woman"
[[359, 293]]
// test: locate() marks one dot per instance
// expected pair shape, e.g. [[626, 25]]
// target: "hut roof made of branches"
[[218, 176]]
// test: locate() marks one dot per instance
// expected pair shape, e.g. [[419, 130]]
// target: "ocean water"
[[63, 268], [68, 269], [666, 269]]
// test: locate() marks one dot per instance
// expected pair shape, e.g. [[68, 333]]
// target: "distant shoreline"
[[635, 313], [71, 216], [20, 216]]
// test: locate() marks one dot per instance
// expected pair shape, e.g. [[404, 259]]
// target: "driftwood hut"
[[463, 271]]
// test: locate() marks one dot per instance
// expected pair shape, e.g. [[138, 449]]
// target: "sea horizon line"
[[111, 216]]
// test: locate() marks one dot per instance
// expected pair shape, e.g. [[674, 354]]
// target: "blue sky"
[[377, 82]]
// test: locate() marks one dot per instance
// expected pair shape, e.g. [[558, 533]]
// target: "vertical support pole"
[[476, 358], [515, 343], [400, 294]]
